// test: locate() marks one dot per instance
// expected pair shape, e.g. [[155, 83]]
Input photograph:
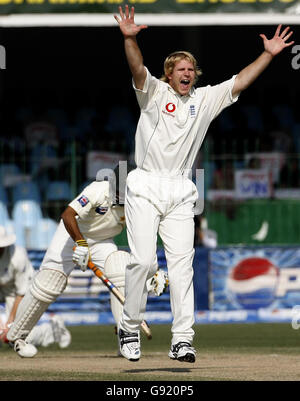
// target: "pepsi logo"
[[252, 283]]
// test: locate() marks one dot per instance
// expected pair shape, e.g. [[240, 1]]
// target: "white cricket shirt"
[[172, 127], [16, 271], [98, 219]]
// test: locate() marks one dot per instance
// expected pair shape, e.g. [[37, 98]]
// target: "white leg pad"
[[116, 306], [114, 269], [115, 266], [46, 286]]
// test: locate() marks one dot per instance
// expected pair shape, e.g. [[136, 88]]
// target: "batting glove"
[[3, 333], [158, 284], [81, 254]]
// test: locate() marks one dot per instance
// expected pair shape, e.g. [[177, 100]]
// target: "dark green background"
[[158, 6]]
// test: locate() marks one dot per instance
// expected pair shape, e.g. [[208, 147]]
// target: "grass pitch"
[[225, 352]]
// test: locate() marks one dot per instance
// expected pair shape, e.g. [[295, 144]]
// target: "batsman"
[[84, 234]]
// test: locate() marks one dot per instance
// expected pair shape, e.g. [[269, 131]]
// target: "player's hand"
[[279, 41], [81, 254], [3, 334], [158, 284], [126, 21]]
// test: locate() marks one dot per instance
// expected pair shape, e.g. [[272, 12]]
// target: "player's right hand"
[[126, 22], [81, 254]]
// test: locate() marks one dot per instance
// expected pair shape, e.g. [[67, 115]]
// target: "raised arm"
[[272, 47], [133, 53]]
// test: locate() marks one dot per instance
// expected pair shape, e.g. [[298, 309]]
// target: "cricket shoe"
[[183, 352], [116, 333], [61, 334], [24, 350], [129, 344]]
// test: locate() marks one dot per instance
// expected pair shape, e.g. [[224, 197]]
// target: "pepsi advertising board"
[[254, 279]]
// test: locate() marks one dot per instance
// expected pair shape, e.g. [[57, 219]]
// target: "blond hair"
[[173, 58]]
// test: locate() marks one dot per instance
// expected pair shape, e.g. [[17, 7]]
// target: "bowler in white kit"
[[174, 118]]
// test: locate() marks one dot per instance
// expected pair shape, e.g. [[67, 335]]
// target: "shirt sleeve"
[[220, 97], [145, 95], [89, 198]]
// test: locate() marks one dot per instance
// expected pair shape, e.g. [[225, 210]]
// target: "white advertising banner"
[[252, 184], [101, 160], [271, 161]]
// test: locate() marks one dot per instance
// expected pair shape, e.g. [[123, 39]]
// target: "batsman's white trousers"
[[157, 203], [60, 251], [59, 257]]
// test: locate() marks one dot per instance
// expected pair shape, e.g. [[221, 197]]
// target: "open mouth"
[[185, 83]]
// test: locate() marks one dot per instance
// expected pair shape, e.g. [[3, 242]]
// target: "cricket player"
[[174, 118], [88, 224], [16, 273]]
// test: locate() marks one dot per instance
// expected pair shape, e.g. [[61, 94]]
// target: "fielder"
[[160, 197], [88, 224], [16, 273]]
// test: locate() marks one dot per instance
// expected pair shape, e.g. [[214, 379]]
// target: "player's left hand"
[[279, 41], [158, 284]]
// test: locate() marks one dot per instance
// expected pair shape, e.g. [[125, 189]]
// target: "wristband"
[[82, 242]]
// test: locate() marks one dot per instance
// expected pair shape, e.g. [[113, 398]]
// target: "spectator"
[[289, 175], [224, 176], [16, 273]]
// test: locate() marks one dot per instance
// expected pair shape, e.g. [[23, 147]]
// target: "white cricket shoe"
[[129, 344], [183, 352], [24, 350], [61, 334]]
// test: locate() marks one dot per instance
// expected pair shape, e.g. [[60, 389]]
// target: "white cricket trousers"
[[59, 257], [160, 204]]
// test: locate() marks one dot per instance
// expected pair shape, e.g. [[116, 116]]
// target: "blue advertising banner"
[[201, 282], [86, 300], [254, 279]]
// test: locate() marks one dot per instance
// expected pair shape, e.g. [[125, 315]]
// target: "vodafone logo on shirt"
[[170, 108]]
